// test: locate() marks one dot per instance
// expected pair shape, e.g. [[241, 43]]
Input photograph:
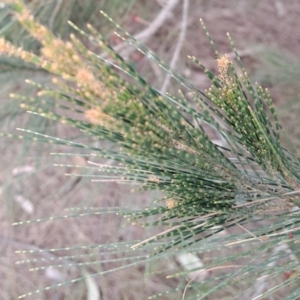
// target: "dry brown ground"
[[252, 24]]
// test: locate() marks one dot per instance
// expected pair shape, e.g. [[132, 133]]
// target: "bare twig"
[[249, 232], [186, 287], [153, 27], [179, 43]]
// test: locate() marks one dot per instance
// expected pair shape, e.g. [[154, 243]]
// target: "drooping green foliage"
[[55, 15], [234, 202]]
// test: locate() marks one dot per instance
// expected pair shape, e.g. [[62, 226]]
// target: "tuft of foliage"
[[235, 203], [281, 69], [54, 14]]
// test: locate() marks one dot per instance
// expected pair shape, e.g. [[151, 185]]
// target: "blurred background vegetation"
[[266, 36]]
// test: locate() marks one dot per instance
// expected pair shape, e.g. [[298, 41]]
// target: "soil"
[[255, 26]]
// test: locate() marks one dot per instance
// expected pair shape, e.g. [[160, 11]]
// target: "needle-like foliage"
[[234, 203]]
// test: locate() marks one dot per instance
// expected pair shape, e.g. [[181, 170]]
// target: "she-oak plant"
[[162, 144]]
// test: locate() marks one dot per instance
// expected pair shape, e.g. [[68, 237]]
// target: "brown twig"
[[179, 43], [148, 32]]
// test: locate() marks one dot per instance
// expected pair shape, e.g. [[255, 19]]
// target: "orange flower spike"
[[223, 63]]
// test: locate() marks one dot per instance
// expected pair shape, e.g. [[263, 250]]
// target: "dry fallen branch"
[[179, 45], [148, 32]]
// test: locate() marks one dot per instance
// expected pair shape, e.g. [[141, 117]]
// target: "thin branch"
[[249, 232], [179, 43], [153, 27], [186, 287]]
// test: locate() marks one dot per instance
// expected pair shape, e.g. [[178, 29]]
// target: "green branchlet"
[[162, 144]]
